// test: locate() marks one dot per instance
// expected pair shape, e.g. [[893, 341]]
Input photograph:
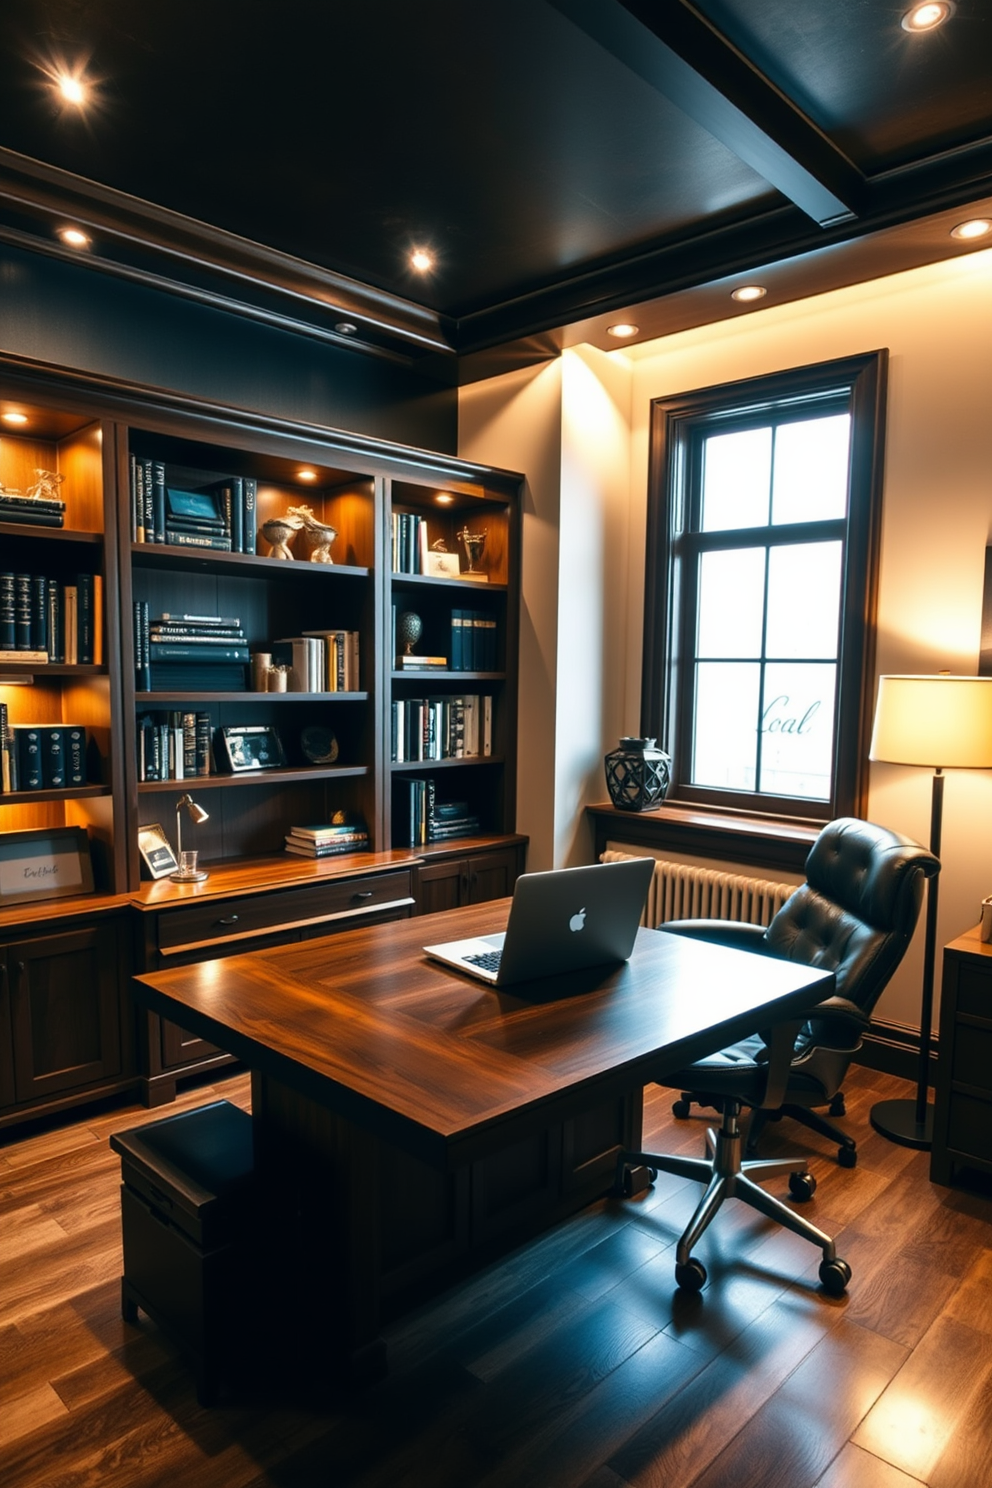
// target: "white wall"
[[937, 519]]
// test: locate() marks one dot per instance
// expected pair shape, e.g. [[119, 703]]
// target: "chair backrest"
[[856, 913]]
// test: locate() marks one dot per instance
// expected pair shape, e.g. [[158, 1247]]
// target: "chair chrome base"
[[726, 1176]]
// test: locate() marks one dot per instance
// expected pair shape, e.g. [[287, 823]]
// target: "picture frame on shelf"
[[442, 565], [250, 747], [44, 863], [156, 851]]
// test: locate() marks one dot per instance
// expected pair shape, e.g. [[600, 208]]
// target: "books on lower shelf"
[[175, 744], [437, 728], [327, 839], [419, 818], [221, 516], [54, 620], [42, 756]]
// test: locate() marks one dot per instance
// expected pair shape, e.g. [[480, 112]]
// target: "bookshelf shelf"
[[268, 779]]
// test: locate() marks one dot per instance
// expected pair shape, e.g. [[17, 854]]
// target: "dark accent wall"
[[90, 321]]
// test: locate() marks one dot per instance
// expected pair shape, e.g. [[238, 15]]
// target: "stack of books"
[[420, 818], [197, 653], [328, 839], [43, 756], [196, 519], [35, 511]]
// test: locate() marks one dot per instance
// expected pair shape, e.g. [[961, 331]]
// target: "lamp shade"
[[942, 722]]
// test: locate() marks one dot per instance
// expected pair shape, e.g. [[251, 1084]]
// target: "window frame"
[[677, 423]]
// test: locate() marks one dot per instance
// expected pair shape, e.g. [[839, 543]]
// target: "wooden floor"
[[573, 1361]]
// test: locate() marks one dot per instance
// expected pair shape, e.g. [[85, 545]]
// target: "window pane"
[[811, 470], [797, 730], [736, 480], [725, 737], [731, 603], [804, 600]]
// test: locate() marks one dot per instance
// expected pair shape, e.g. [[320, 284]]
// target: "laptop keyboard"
[[488, 960]]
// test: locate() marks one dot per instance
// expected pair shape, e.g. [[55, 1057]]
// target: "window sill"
[[757, 841]]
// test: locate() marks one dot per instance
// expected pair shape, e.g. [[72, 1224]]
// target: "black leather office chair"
[[854, 916]]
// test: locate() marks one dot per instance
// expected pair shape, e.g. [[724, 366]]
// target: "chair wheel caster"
[[691, 1277], [802, 1186], [847, 1157], [680, 1109], [635, 1180], [834, 1276]]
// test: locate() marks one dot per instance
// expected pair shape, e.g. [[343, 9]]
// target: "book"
[[8, 626], [19, 655], [178, 676], [317, 836], [8, 771], [197, 540], [421, 663], [325, 852], [142, 672], [155, 471], [180, 651], [20, 502], [56, 623], [51, 738], [70, 605], [23, 611], [204, 738], [175, 618], [189, 637], [85, 620], [250, 538], [189, 743], [29, 764], [74, 752]]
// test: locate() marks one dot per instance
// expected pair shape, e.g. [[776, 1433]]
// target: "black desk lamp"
[[943, 723]]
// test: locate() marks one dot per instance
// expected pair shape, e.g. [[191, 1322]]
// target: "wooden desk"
[[429, 1121]]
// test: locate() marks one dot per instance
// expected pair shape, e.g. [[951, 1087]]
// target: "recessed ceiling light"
[[623, 330], [346, 328], [748, 292], [14, 418], [926, 17], [976, 228], [306, 475], [443, 498], [74, 237], [421, 260]]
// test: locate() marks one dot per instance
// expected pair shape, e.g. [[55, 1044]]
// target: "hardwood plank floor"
[[572, 1363]]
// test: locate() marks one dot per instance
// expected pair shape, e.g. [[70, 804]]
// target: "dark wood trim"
[[676, 425], [757, 842]]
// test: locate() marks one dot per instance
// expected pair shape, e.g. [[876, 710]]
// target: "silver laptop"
[[562, 921]]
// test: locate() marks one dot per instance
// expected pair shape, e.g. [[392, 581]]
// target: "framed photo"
[[50, 863], [156, 851], [200, 504], [443, 565], [251, 747]]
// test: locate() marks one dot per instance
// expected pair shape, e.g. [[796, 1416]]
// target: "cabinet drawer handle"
[[228, 920], [361, 894]]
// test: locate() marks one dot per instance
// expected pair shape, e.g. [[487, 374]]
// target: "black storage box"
[[186, 1212]]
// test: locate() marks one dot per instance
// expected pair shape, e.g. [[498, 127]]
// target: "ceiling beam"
[[676, 51]]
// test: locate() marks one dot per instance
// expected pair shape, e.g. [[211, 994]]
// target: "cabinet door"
[[491, 875], [441, 886], [64, 1010]]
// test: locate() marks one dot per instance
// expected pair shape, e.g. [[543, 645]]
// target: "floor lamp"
[[942, 723]]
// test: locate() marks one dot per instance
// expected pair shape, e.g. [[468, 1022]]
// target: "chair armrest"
[[733, 933]]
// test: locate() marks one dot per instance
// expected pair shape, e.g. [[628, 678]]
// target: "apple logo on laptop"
[[578, 921]]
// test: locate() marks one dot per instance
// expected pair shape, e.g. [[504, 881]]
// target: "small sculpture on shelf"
[[46, 487], [474, 543], [279, 533], [409, 629], [319, 534]]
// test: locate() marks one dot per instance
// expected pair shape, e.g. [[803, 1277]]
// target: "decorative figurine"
[[46, 487], [279, 533], [409, 629], [320, 534]]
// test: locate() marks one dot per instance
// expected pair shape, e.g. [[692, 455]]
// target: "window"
[[761, 578]]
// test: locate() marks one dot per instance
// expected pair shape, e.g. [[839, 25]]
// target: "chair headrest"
[[871, 872]]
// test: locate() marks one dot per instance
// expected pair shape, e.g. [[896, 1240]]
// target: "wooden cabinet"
[[64, 1024], [962, 1127], [450, 879]]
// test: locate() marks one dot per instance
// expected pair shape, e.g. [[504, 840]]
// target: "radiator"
[[682, 891]]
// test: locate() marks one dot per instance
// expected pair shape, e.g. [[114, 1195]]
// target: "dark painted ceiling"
[[565, 160]]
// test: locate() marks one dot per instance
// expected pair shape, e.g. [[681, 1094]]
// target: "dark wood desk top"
[[364, 1023]]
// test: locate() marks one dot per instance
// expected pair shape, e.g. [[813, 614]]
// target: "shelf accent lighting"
[[748, 292], [927, 17]]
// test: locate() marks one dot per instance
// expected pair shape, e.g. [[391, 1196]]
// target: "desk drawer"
[[236, 923]]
